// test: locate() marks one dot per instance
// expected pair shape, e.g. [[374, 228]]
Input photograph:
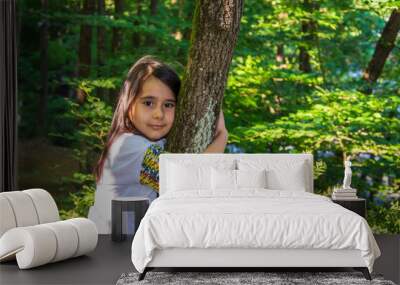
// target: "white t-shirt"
[[120, 178]]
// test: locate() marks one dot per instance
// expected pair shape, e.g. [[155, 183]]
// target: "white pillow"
[[182, 177], [288, 175], [204, 160], [251, 178], [223, 179], [229, 179]]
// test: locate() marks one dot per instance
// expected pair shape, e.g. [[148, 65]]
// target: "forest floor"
[[43, 165]]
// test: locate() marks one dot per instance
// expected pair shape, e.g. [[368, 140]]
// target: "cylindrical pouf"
[[40, 244], [33, 246], [87, 235], [45, 205], [67, 239], [7, 218], [23, 208]]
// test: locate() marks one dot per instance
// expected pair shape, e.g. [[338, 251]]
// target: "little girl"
[[144, 115]]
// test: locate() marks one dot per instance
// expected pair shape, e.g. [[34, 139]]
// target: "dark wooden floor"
[[102, 266], [110, 260]]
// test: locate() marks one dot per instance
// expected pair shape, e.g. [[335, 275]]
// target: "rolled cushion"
[[87, 235], [7, 218], [23, 208], [40, 244], [33, 246], [26, 208], [46, 207], [66, 239]]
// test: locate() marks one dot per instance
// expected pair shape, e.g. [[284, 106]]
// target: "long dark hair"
[[121, 123]]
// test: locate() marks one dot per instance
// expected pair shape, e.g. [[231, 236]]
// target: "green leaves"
[[334, 125]]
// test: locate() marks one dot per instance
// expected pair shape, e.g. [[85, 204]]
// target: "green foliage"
[[385, 219], [320, 168], [93, 122], [82, 199]]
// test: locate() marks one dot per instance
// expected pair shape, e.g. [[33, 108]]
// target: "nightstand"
[[138, 205], [357, 205]]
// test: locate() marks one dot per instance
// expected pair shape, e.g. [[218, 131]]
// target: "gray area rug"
[[229, 278]]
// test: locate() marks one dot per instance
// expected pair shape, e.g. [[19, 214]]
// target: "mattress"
[[250, 219]]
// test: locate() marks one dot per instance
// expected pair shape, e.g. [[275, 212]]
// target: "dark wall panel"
[[8, 96]]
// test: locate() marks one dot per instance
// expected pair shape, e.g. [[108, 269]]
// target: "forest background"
[[306, 76]]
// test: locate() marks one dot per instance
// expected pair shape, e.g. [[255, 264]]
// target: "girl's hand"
[[221, 137], [220, 124]]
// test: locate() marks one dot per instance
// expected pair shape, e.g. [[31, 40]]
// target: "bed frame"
[[261, 258], [241, 259]]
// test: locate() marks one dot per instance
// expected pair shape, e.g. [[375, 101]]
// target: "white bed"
[[203, 220]]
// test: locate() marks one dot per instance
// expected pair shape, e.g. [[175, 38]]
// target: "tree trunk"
[[100, 35], [153, 7], [44, 43], [383, 48], [101, 51], [214, 35], [308, 36], [85, 39], [280, 55], [150, 40], [136, 40], [117, 33]]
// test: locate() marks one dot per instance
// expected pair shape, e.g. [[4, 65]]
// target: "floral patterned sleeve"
[[150, 167]]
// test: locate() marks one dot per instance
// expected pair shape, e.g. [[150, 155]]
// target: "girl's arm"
[[220, 138], [219, 143]]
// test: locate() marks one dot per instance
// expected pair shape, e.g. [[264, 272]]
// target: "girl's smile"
[[153, 110]]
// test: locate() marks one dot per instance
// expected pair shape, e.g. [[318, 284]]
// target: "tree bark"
[[304, 56], [117, 33], [150, 40], [153, 7], [101, 49], [308, 36], [214, 35], [280, 55], [100, 35], [44, 44], [85, 39], [383, 48], [136, 39]]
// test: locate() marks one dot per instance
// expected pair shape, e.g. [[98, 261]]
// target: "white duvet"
[[252, 218]]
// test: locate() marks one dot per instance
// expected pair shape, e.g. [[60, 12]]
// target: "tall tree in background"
[[153, 7], [85, 39], [280, 54], [307, 31], [214, 35], [44, 71], [136, 39], [153, 13], [280, 47], [101, 50], [100, 34], [383, 48], [117, 32]]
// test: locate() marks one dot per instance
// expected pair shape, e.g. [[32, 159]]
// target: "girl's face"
[[153, 109]]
